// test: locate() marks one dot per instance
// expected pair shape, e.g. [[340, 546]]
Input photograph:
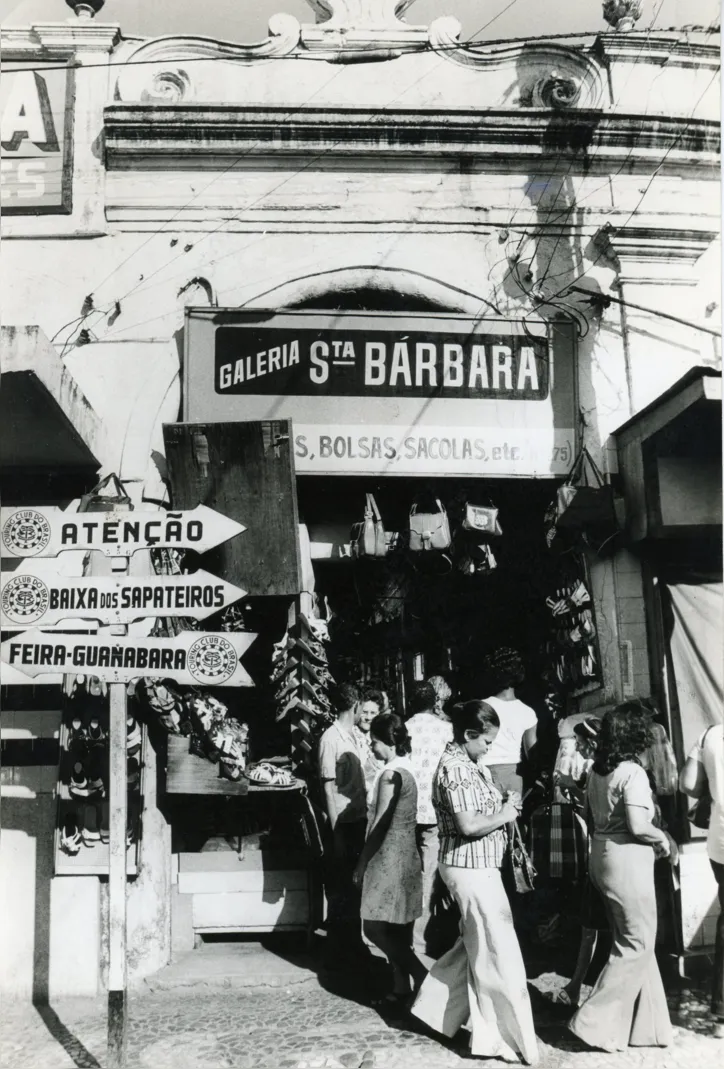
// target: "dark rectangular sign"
[[374, 363]]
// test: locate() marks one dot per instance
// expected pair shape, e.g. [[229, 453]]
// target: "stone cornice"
[[202, 133], [677, 49], [652, 255], [46, 40]]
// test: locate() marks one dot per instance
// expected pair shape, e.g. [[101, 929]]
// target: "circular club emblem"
[[25, 599], [212, 659], [26, 533]]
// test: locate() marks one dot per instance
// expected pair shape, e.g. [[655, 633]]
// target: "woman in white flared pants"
[[481, 981]]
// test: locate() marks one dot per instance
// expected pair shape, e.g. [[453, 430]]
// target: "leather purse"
[[429, 530], [368, 538]]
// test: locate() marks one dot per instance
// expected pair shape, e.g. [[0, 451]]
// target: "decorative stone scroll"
[[169, 82], [536, 75]]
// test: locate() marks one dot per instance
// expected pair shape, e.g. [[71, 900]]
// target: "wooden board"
[[245, 471], [270, 911]]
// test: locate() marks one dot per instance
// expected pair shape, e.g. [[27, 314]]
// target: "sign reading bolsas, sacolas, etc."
[[28, 599], [193, 657], [391, 393], [33, 532]]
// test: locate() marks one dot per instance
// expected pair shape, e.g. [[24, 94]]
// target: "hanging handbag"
[[520, 869], [585, 506], [368, 539], [429, 530], [483, 519], [107, 496]]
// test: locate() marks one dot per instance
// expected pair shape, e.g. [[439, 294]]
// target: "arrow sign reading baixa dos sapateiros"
[[49, 531], [27, 599], [193, 657]]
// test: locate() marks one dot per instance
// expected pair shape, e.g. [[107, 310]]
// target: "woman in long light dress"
[[481, 980], [627, 1006]]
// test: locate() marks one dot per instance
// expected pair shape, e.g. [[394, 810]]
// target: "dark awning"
[[50, 432]]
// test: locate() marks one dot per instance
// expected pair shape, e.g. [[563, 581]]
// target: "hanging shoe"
[[91, 832], [133, 772], [70, 836], [97, 770], [133, 733], [103, 823], [96, 734], [77, 736], [79, 786]]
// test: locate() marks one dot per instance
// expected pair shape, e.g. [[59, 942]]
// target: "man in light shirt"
[[345, 798], [429, 734]]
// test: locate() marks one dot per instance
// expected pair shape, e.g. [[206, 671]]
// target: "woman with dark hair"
[[482, 979], [504, 671], [389, 869], [627, 1006]]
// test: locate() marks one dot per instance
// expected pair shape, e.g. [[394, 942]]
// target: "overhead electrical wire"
[[462, 45], [288, 178], [470, 42], [574, 159], [568, 285]]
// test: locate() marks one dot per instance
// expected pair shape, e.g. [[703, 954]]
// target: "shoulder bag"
[[368, 539], [429, 530], [520, 869]]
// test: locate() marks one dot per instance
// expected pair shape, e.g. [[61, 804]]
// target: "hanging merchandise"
[[583, 509], [473, 557], [429, 530], [368, 538], [483, 519], [572, 644], [302, 678]]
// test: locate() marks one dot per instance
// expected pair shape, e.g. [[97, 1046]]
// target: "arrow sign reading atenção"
[[193, 657], [29, 600], [49, 531]]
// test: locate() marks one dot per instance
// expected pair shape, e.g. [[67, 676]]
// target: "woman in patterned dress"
[[389, 870], [482, 979]]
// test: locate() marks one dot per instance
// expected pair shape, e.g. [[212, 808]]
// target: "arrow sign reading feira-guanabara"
[[46, 532], [193, 657], [28, 599]]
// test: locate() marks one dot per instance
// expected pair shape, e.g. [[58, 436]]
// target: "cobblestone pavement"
[[306, 1027]]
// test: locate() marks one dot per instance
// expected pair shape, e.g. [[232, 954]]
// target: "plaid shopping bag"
[[558, 842]]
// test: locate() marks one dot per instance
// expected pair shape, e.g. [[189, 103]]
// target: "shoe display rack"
[[82, 829], [301, 680]]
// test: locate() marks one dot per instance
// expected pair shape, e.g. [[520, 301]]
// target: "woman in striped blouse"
[[482, 979]]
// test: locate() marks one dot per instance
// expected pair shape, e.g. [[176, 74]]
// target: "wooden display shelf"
[[187, 773]]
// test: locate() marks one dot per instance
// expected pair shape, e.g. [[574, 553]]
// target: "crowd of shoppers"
[[424, 807]]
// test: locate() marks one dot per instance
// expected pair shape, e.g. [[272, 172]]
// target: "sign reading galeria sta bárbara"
[[390, 394]]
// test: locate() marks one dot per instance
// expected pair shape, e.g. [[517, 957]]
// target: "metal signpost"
[[32, 596]]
